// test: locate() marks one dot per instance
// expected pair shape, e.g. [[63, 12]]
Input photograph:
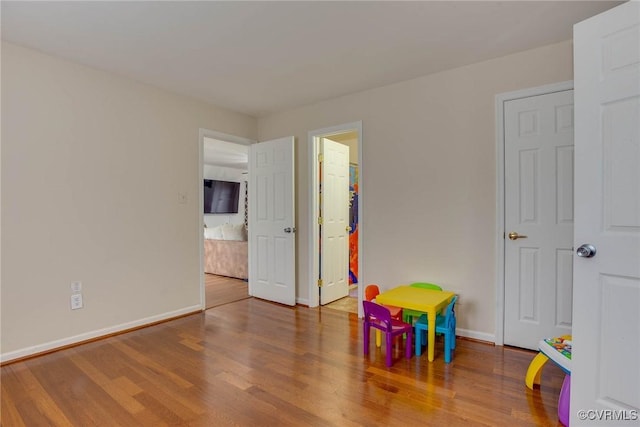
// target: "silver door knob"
[[586, 251], [290, 230]]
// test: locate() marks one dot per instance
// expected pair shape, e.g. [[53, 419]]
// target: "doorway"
[[222, 158], [321, 266], [534, 214]]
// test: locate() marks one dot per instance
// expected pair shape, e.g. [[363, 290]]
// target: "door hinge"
[[320, 157], [319, 283], [320, 220]]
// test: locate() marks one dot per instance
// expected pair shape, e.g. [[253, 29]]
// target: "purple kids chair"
[[379, 317]]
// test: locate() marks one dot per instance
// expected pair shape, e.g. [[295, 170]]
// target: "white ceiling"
[[263, 57], [227, 154]]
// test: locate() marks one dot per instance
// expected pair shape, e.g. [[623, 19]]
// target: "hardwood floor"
[[254, 363], [220, 290]]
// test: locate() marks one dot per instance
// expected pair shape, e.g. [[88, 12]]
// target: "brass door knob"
[[515, 236]]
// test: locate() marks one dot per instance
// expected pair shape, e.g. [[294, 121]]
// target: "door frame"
[[501, 99], [202, 133], [314, 207]]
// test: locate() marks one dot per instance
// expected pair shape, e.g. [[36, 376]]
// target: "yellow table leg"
[[379, 338], [535, 370], [431, 339]]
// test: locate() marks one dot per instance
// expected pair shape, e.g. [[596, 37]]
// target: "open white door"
[[334, 249], [605, 380], [272, 221]]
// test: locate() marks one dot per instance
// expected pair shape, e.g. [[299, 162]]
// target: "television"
[[221, 197]]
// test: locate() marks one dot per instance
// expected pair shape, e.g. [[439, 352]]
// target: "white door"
[[271, 221], [334, 207], [606, 332], [539, 208]]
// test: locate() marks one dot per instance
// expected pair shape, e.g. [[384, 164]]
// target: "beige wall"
[[92, 165], [428, 171]]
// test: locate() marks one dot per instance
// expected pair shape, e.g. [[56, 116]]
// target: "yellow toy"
[[557, 349]]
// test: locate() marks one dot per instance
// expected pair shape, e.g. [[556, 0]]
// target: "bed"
[[226, 251]]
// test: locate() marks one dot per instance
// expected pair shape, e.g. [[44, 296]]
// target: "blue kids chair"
[[444, 325]]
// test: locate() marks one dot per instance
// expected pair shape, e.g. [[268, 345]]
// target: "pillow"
[[213, 233], [234, 232]]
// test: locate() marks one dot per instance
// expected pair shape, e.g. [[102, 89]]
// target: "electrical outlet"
[[76, 301]]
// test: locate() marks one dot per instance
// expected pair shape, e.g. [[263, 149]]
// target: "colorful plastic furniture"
[[563, 401], [378, 317], [444, 325], [427, 301], [557, 349], [425, 285], [409, 315], [370, 294]]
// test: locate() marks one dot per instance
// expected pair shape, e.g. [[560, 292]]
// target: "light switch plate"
[[76, 301], [76, 287]]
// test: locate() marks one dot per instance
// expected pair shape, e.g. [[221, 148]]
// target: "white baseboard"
[[481, 336], [64, 342]]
